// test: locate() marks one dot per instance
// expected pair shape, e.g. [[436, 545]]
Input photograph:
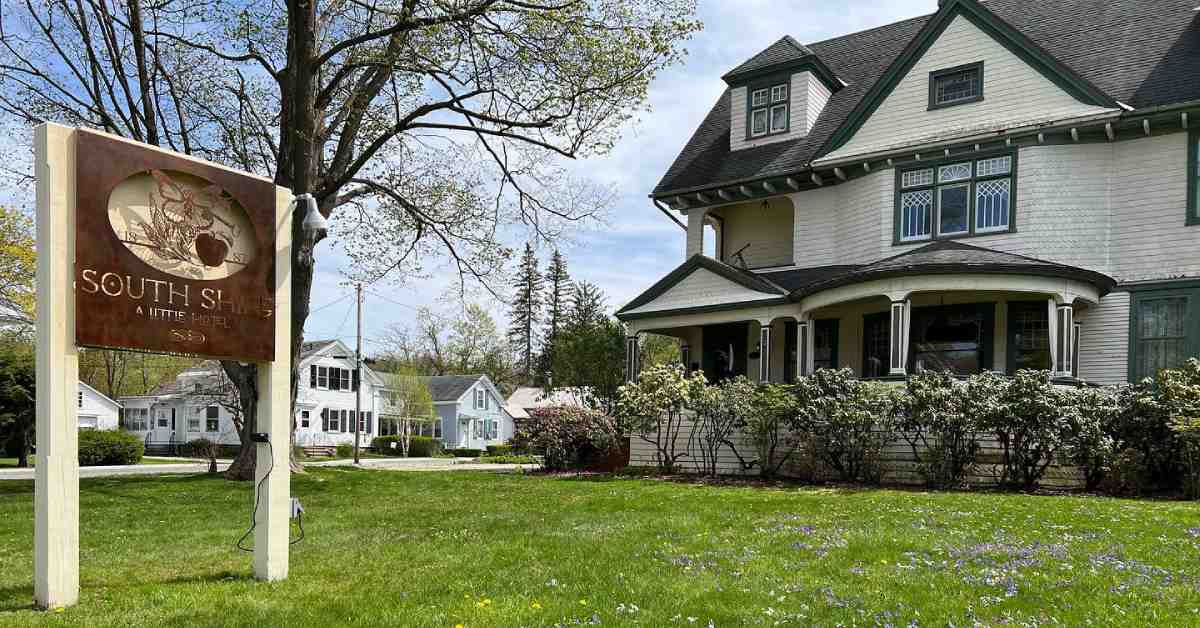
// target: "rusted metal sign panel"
[[171, 255]]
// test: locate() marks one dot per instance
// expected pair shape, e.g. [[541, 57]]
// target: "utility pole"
[[358, 377]]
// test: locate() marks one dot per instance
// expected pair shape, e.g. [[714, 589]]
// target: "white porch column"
[[632, 361], [899, 337], [56, 474], [685, 356], [1052, 333], [804, 347], [695, 231], [764, 352], [1064, 327]]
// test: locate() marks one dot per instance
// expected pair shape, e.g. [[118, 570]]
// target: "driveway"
[[392, 464]]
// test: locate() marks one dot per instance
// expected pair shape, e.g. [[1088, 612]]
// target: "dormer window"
[[956, 86], [768, 110]]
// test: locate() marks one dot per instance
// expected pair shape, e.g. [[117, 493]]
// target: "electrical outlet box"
[[260, 437], [297, 508]]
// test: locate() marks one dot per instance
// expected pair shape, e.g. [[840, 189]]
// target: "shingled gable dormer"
[[777, 94]]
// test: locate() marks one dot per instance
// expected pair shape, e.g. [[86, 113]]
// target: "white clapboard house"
[[999, 185], [194, 405]]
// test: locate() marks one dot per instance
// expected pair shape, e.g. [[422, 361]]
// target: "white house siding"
[[818, 97], [767, 231], [1104, 340], [1149, 200], [314, 400], [1015, 94], [95, 410], [801, 93], [702, 287]]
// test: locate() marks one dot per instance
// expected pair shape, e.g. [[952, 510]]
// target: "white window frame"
[[768, 102], [323, 377], [922, 177]]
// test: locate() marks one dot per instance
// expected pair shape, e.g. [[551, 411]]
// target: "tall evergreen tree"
[[558, 286], [587, 304], [526, 312]]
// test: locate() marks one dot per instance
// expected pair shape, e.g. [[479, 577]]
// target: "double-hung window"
[[955, 199], [768, 110], [212, 419], [1164, 329]]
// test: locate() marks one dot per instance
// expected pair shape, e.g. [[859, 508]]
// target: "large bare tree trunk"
[[296, 171]]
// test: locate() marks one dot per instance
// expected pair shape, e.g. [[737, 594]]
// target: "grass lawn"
[[388, 548], [12, 462]]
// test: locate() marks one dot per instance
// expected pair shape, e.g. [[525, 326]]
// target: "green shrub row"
[[465, 452], [418, 446], [1132, 439], [105, 447], [507, 459]]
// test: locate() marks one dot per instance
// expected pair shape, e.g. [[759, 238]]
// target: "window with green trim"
[[955, 198], [768, 111], [1164, 329], [956, 86]]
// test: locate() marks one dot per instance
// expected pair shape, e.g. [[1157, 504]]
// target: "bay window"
[[958, 198]]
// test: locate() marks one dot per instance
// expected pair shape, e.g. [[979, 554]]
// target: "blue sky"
[[639, 244]]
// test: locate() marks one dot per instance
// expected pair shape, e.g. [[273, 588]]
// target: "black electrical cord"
[[257, 494], [254, 510]]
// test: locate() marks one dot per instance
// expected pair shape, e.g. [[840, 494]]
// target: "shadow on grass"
[[216, 577], [18, 598]]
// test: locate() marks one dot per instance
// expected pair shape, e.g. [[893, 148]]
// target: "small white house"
[[96, 411]]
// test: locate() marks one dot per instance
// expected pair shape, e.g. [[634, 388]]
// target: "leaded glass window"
[[956, 86], [955, 199]]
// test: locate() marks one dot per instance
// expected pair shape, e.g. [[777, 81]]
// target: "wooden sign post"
[[144, 249]]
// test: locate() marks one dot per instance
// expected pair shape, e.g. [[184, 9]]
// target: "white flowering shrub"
[[941, 434], [846, 422], [721, 411], [1092, 414], [653, 409], [1026, 414], [1179, 395]]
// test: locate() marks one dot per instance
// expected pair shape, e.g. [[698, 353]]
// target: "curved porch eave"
[[668, 319], [1064, 290]]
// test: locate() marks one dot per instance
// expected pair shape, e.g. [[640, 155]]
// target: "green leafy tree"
[[18, 265], [525, 313], [658, 349], [408, 402], [589, 361], [17, 399], [424, 130]]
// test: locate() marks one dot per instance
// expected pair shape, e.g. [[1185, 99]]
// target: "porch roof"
[[938, 258]]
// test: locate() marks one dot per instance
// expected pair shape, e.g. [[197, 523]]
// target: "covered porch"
[[945, 306]]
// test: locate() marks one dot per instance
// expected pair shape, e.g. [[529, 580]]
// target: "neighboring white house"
[[190, 406], [96, 411]]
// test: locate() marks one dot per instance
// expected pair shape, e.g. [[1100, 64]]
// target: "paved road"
[[183, 467]]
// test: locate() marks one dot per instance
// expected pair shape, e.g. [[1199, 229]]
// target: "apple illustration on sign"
[[211, 249]]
